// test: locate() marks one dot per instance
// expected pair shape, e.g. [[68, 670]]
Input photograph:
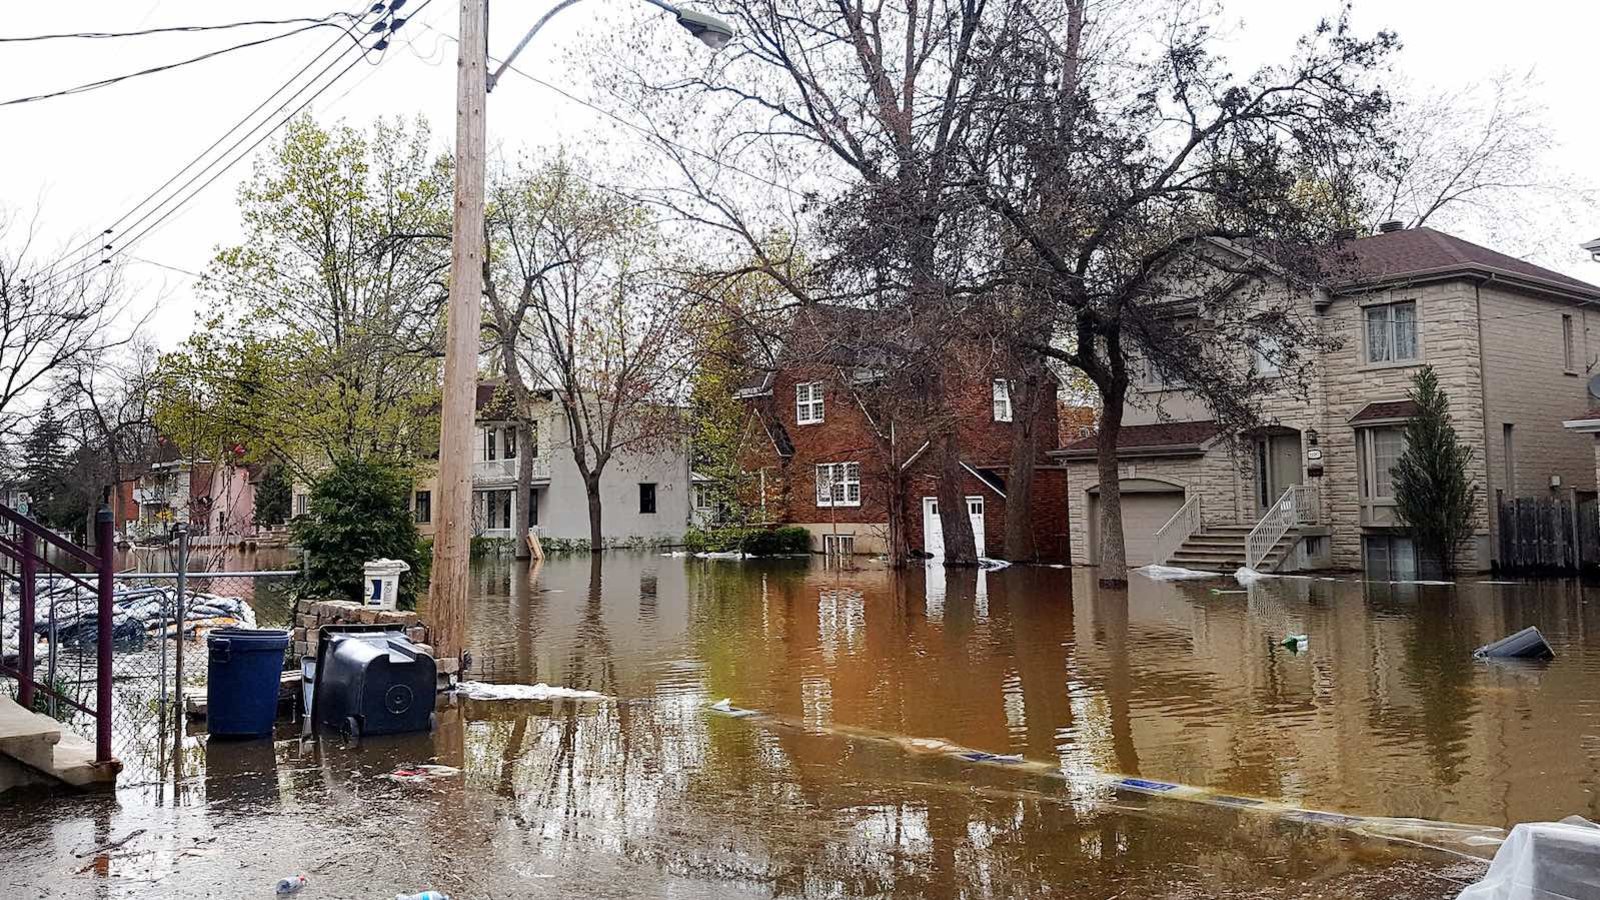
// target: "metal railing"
[[1298, 506], [25, 543], [1182, 526]]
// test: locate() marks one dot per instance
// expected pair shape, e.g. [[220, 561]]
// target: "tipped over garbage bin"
[[243, 670], [372, 679]]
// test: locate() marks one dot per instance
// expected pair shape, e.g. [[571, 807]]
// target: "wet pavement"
[[845, 784]]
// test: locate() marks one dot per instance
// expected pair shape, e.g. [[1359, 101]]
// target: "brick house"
[[820, 451], [1510, 343]]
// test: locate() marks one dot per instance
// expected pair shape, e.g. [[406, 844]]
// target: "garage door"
[[1143, 513]]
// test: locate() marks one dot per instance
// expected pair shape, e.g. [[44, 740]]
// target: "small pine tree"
[[358, 512], [1435, 498]]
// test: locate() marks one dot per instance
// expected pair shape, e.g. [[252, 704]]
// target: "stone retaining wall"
[[310, 616]]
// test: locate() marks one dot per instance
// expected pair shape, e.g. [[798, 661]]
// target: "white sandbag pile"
[[138, 613]]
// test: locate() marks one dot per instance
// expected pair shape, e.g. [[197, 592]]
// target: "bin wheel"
[[352, 727]]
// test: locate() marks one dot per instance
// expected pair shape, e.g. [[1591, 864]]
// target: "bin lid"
[[386, 567]]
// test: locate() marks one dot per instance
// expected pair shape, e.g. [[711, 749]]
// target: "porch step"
[[39, 743], [1220, 548]]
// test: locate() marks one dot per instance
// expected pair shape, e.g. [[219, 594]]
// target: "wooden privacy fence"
[[1548, 533]]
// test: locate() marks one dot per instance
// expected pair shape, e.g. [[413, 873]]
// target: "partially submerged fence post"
[[105, 547], [181, 614], [29, 573]]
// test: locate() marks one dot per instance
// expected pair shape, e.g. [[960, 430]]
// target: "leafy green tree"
[[273, 496], [1435, 497], [359, 512], [325, 334]]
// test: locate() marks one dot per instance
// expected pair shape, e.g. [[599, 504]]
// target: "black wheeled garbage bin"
[[372, 679]]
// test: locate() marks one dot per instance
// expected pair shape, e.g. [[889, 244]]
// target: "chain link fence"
[[156, 660]]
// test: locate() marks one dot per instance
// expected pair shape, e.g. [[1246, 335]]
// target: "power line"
[[117, 79], [100, 35], [126, 243], [355, 19]]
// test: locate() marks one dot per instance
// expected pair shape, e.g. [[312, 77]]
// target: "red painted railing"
[[25, 543]]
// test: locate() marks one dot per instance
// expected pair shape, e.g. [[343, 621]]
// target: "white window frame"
[[842, 482], [808, 404], [1366, 452], [1390, 355], [1002, 400], [702, 498], [1266, 355], [1569, 345], [839, 544]]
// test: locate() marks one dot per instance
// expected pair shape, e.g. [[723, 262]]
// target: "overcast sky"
[[84, 160]]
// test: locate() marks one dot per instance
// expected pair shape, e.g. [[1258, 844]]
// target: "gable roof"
[[1422, 253], [1160, 439]]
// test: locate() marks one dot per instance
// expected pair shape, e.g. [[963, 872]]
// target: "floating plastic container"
[[243, 670], [372, 679], [1525, 644]]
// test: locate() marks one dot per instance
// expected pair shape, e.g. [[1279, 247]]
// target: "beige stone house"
[[1513, 344]]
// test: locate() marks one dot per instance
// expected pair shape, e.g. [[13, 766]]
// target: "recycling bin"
[[381, 578], [243, 671]]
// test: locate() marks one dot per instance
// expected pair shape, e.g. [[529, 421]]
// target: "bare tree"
[[54, 315], [1164, 209], [579, 294]]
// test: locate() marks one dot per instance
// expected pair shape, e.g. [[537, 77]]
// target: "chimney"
[[1346, 234], [1391, 226]]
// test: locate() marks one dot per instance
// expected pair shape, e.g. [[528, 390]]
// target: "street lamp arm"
[[506, 63], [709, 30]]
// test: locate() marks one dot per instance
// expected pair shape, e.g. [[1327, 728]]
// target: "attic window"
[[1002, 400], [808, 403]]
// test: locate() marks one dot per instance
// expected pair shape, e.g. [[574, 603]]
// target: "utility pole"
[[447, 602]]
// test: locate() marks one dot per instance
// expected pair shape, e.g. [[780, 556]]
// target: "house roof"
[[1162, 438], [1380, 410], [1416, 253]]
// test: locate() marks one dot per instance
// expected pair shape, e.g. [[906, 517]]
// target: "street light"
[[710, 30]]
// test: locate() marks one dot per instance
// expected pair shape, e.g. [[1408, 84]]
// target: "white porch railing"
[[1182, 526], [1298, 506], [505, 470]]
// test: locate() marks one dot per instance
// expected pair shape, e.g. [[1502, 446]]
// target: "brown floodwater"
[[846, 782]]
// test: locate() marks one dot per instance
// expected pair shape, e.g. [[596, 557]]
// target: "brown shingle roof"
[[1385, 409], [1418, 252], [1173, 436]]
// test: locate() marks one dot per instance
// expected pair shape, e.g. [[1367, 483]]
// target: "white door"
[[933, 531]]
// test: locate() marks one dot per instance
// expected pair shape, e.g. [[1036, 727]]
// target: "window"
[[488, 444], [839, 544], [1569, 348], [533, 507], [533, 439], [423, 507], [702, 497], [647, 498], [1509, 447], [1378, 450], [511, 443], [497, 509], [1391, 332], [1002, 400], [839, 484], [302, 503], [1266, 355], [808, 403]]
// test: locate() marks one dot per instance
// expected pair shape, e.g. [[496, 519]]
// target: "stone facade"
[[1500, 352]]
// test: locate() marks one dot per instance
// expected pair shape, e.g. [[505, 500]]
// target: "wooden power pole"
[[452, 544]]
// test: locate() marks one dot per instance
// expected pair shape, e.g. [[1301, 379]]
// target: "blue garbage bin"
[[244, 666]]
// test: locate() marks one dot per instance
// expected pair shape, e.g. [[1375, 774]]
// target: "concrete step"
[[42, 745]]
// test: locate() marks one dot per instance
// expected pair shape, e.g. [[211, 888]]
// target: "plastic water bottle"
[[425, 895], [291, 885]]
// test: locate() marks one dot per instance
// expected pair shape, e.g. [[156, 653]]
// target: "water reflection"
[[647, 794]]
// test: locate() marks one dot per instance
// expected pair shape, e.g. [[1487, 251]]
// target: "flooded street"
[[848, 780]]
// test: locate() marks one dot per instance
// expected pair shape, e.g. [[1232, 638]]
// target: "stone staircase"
[[1220, 548], [35, 750]]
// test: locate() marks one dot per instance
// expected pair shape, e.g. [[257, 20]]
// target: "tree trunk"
[[898, 545], [524, 498], [591, 487], [1019, 537], [960, 548], [1113, 550]]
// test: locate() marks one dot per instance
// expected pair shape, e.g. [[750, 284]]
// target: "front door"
[[933, 529], [1279, 467]]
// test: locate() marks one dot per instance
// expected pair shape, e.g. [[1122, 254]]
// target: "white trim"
[[984, 481], [1591, 426], [915, 456]]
